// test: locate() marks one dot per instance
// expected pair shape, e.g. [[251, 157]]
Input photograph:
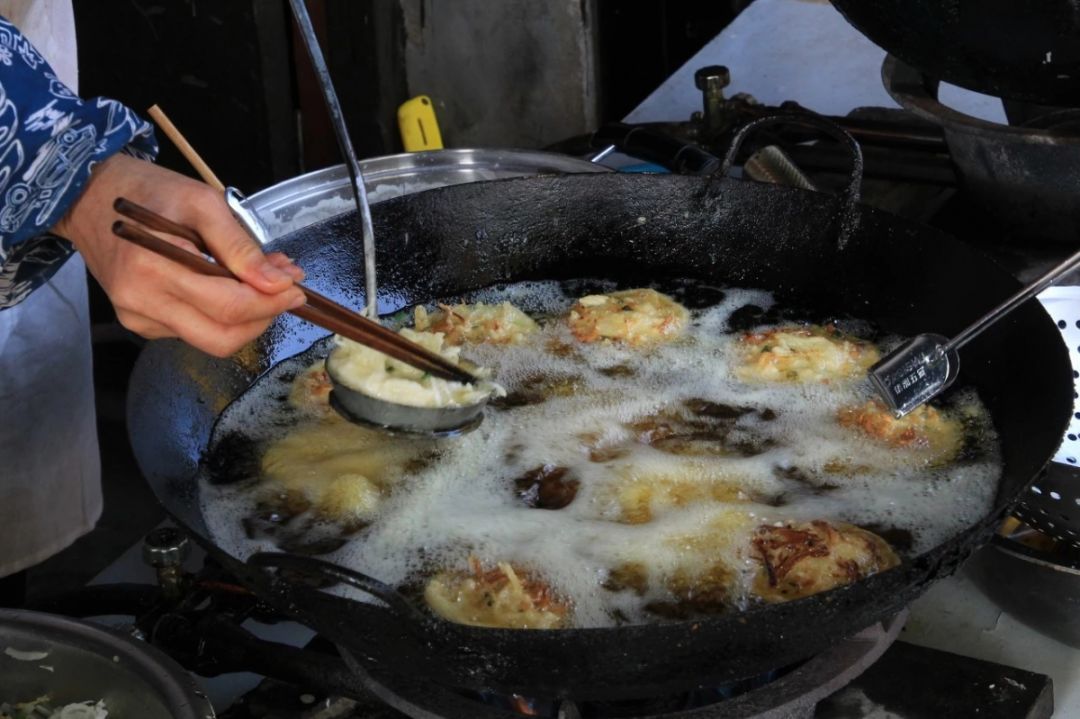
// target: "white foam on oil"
[[465, 503]]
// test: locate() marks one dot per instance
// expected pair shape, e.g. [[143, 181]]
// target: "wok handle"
[[655, 146], [396, 602], [849, 196]]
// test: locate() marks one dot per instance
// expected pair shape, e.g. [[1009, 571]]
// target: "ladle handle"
[[337, 120], [848, 215], [393, 599], [976, 328]]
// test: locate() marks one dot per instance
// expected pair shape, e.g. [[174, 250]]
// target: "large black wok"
[[905, 276]]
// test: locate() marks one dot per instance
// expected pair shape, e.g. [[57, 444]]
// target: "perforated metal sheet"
[[1052, 504]]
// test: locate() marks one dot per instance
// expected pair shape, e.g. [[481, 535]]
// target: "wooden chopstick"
[[320, 310], [158, 115], [340, 320], [154, 221]]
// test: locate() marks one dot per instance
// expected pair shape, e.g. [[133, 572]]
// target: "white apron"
[[50, 490]]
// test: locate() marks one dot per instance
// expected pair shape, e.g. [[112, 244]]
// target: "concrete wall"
[[504, 73]]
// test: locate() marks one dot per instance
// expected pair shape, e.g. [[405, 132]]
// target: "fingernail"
[[273, 274], [298, 301]]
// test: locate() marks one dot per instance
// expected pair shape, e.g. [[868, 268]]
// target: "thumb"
[[234, 248]]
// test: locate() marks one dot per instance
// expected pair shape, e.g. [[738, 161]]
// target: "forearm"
[[49, 142]]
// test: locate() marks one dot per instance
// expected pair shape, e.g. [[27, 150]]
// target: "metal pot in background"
[[74, 661], [1022, 50], [1027, 177], [1039, 588], [296, 203]]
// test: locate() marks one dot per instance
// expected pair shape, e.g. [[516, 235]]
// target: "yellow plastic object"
[[418, 126]]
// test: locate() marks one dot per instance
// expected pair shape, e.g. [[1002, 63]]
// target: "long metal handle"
[[337, 119], [1011, 304], [847, 218], [394, 599]]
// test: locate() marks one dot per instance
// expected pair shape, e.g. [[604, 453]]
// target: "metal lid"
[[74, 661], [301, 201]]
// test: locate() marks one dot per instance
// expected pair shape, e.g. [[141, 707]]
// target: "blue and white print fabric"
[[49, 141]]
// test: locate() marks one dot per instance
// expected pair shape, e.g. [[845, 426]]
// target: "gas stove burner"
[[791, 693]]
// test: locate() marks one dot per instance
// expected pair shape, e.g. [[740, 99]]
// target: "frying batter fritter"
[[931, 435], [504, 596], [799, 559], [803, 354], [500, 324], [634, 317]]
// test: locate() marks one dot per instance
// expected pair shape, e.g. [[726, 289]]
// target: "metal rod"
[[602, 154], [1012, 303], [887, 132], [337, 119]]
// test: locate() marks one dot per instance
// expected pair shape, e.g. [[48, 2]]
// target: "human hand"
[[155, 297]]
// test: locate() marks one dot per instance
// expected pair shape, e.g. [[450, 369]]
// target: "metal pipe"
[[337, 120]]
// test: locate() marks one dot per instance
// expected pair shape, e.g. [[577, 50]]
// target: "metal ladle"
[[353, 405], [924, 366]]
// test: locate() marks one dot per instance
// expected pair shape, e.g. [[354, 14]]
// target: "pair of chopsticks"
[[319, 310]]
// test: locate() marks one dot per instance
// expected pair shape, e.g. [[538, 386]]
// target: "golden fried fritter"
[[799, 559], [342, 469], [634, 317], [500, 324], [699, 574], [933, 436], [803, 354], [641, 495], [502, 597]]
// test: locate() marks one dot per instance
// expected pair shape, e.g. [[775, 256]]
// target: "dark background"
[[233, 79]]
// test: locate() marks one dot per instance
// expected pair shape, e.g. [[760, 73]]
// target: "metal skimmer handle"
[[337, 119], [924, 366], [973, 331]]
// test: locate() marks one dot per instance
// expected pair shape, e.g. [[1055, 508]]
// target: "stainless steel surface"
[[1040, 589], [301, 201], [337, 121], [74, 661], [1052, 503], [923, 367], [249, 220], [427, 421], [598, 157], [914, 373]]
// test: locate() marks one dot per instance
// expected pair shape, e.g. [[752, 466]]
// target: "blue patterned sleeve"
[[49, 141]]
